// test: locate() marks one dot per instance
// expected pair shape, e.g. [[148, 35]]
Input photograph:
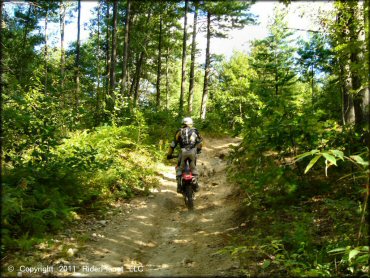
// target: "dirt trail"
[[160, 237]]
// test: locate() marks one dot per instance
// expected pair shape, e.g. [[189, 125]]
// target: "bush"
[[45, 190]]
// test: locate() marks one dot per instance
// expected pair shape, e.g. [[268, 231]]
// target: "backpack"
[[188, 138]]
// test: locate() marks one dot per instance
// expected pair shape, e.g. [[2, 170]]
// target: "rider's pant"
[[185, 154]]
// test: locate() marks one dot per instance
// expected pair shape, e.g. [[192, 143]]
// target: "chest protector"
[[188, 138]]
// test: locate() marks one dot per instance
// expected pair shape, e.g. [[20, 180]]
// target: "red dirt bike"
[[187, 185]]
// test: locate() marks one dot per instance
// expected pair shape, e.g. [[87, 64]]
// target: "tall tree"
[[167, 76], [367, 60], [26, 31], [314, 56], [98, 93], [62, 15], [203, 109], [112, 75], [341, 40], [356, 55], [1, 76], [159, 64], [223, 16], [125, 48], [77, 63], [273, 59], [107, 52], [46, 49], [183, 67], [192, 61], [140, 61]]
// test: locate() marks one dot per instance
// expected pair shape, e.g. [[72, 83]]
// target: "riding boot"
[[195, 183], [178, 179]]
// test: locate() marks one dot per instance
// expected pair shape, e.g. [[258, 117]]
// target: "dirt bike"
[[187, 185]]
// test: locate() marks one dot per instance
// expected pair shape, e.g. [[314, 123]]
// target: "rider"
[[191, 144]]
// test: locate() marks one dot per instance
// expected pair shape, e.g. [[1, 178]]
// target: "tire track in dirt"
[[160, 237]]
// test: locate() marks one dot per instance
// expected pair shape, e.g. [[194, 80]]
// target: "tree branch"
[[304, 30]]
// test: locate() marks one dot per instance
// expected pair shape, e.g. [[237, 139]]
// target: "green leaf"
[[303, 155], [359, 160], [266, 264], [330, 158], [338, 154], [362, 259], [353, 254], [338, 250], [312, 163], [364, 248]]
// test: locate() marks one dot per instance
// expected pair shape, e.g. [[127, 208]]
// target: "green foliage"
[[354, 260], [332, 156], [293, 219], [30, 119], [234, 104], [87, 168]]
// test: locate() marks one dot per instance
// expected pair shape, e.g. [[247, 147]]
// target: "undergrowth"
[[298, 224], [46, 188]]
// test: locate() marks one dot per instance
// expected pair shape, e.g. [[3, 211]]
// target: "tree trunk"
[[183, 69], [107, 57], [133, 78], [159, 64], [112, 75], [348, 112], [192, 63], [366, 93], [139, 65], [62, 15], [203, 109], [355, 57], [46, 51], [77, 65], [129, 92], [24, 42], [276, 75], [97, 110], [1, 70], [137, 77], [366, 99], [346, 85], [125, 48], [312, 87], [167, 77], [367, 39]]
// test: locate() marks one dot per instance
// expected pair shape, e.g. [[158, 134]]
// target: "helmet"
[[187, 121]]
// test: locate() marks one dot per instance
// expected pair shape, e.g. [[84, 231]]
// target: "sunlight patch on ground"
[[146, 244], [170, 175], [141, 217], [205, 220], [180, 241]]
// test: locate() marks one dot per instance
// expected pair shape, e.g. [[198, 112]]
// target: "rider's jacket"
[[188, 138]]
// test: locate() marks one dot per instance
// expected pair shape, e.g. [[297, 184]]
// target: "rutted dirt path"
[[159, 237]]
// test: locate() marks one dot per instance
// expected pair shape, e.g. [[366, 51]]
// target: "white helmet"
[[187, 121]]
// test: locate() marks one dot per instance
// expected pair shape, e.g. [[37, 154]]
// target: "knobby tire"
[[188, 194]]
